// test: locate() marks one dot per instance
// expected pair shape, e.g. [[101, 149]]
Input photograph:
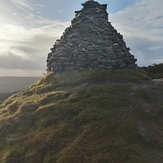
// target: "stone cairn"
[[90, 42]]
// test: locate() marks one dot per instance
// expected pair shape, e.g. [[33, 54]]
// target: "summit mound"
[[92, 116]]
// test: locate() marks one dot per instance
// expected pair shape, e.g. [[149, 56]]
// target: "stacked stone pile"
[[90, 42]]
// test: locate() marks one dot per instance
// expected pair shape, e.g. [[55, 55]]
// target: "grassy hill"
[[100, 116], [155, 71]]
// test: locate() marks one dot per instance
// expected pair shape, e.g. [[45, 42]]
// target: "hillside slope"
[[99, 116]]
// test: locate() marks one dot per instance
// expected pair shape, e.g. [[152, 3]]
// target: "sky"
[[29, 28]]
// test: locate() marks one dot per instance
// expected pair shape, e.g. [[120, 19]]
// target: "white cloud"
[[25, 40], [28, 37], [143, 20], [20, 72], [29, 44]]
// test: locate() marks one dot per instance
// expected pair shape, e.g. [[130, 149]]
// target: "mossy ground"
[[84, 117]]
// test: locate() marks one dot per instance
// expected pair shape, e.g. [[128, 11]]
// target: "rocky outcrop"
[[90, 42]]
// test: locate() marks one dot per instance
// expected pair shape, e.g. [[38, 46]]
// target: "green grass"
[[104, 121]]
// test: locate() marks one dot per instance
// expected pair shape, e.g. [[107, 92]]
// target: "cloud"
[[29, 48], [18, 72], [25, 41], [142, 27], [29, 28], [16, 62], [147, 51]]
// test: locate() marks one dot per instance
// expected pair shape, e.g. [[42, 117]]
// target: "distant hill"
[[13, 84], [155, 71], [103, 116]]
